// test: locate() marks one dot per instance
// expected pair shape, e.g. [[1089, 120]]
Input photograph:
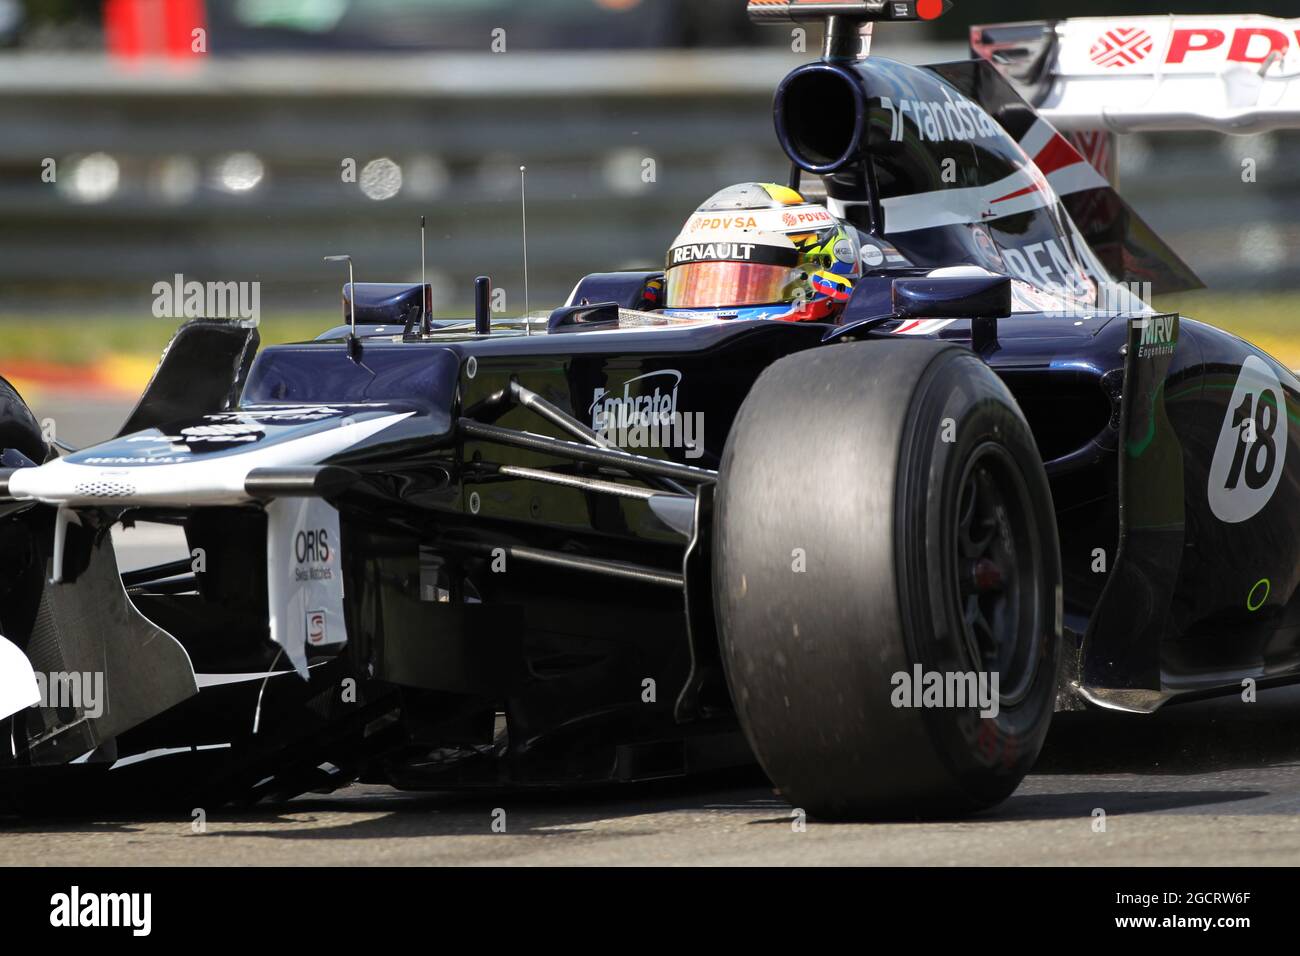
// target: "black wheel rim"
[[998, 570]]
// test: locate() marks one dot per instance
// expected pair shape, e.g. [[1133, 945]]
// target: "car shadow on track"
[[1079, 805], [551, 813], [1199, 737], [365, 812], [362, 813], [1182, 740]]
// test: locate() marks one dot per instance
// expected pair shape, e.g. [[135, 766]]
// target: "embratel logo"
[[626, 410], [1121, 47], [647, 420]]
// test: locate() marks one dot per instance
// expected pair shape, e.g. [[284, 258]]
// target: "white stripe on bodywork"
[[1039, 135], [974, 204], [1069, 179], [959, 207], [923, 326], [1077, 178], [213, 481]]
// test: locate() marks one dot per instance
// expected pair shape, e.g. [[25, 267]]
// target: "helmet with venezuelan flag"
[[760, 251]]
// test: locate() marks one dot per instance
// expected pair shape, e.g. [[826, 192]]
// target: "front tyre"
[[885, 545]]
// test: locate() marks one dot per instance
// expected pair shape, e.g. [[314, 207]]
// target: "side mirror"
[[577, 318], [953, 297]]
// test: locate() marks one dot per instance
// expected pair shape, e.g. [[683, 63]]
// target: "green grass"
[[1273, 314], [81, 340], [1270, 321]]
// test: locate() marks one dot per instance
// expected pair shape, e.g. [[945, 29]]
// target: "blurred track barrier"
[[251, 169], [113, 377]]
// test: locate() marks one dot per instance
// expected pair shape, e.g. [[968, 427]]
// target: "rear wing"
[[1231, 74]]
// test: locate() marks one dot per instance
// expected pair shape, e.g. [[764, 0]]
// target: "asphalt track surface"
[[1205, 784], [1209, 783]]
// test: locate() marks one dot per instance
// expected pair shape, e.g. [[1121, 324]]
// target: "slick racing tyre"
[[885, 545]]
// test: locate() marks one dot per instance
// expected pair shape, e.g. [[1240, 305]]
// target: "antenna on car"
[[354, 344], [523, 205], [426, 296]]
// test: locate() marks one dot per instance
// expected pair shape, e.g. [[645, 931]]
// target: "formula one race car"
[[872, 532]]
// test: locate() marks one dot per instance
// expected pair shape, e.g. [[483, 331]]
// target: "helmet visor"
[[719, 285]]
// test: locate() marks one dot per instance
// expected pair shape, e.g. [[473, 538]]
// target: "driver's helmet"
[[760, 251]]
